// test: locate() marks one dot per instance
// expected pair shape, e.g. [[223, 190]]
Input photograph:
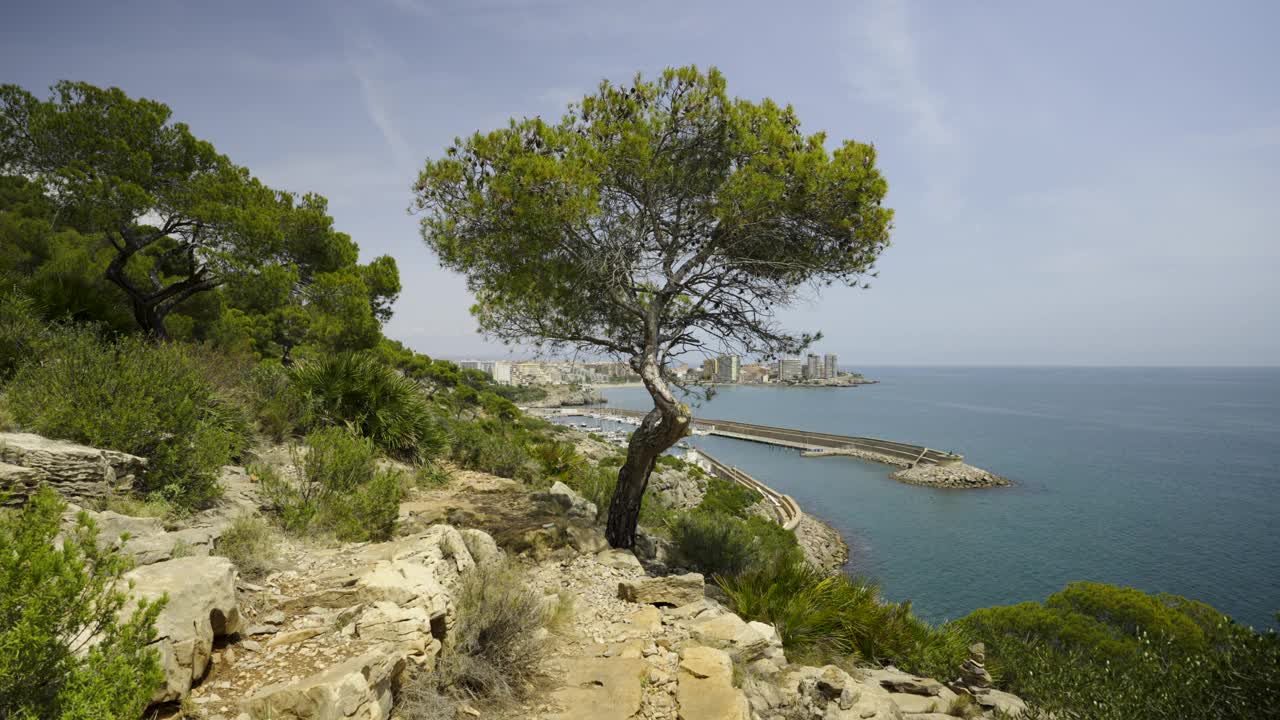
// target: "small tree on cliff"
[[652, 220]]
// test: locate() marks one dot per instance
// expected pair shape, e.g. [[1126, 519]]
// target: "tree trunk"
[[660, 429]]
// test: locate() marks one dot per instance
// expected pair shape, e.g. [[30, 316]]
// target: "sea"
[[1163, 479]]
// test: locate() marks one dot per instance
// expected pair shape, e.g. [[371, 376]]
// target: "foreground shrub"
[[1237, 680], [136, 396], [340, 489], [21, 330], [826, 617], [494, 447], [1102, 620], [496, 652], [727, 497], [51, 599], [716, 544], [358, 390], [1101, 652], [251, 543]]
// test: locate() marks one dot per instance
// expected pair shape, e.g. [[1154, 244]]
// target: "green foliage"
[[51, 598], [827, 616], [1237, 680], [1101, 652], [494, 447], [727, 497], [721, 545], [359, 391], [339, 489], [251, 543], [131, 395], [21, 331], [496, 653]]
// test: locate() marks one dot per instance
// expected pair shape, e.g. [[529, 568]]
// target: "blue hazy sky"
[[1075, 182]]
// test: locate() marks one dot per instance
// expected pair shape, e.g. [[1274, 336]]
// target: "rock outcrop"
[[952, 475], [705, 688], [202, 605], [569, 502], [77, 472], [674, 590], [362, 688]]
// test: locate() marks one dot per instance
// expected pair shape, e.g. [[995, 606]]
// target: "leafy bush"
[[492, 447], [827, 617], [339, 490], [496, 653], [727, 497], [250, 543], [1102, 620], [51, 599], [1101, 652], [136, 396], [279, 408], [1237, 680], [359, 391], [722, 545], [21, 330]]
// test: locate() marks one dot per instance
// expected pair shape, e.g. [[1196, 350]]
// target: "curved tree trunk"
[[660, 429]]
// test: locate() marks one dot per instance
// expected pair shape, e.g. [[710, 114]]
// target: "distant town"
[[812, 370]]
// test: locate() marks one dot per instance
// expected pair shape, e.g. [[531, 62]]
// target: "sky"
[[1075, 183]]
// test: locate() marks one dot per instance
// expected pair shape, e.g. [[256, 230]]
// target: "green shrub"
[[727, 497], [50, 597], [826, 617], [340, 489], [493, 447], [21, 331], [1238, 679], [496, 653], [1101, 651], [279, 408], [251, 543], [136, 396], [359, 391], [715, 544]]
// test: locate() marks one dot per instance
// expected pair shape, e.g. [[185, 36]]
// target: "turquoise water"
[[1161, 479]]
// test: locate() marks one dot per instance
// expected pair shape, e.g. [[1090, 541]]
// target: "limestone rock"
[[897, 681], [973, 671], [620, 560], [408, 584], [359, 689], [407, 628], [1001, 701], [673, 590], [75, 471], [704, 688], [601, 688], [202, 606], [731, 633], [646, 620], [571, 503], [587, 540], [484, 551]]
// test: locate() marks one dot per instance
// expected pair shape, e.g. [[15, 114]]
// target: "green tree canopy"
[[653, 220], [103, 187]]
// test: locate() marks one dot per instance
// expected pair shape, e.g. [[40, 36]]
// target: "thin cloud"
[[366, 63], [883, 66]]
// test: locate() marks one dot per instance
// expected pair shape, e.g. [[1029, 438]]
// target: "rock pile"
[[953, 475]]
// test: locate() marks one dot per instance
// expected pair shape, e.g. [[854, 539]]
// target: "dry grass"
[[494, 653], [251, 544]]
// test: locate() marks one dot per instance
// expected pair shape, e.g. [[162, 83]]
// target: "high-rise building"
[[788, 369], [829, 363], [727, 369], [813, 367]]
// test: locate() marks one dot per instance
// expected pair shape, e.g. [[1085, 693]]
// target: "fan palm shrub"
[[359, 391]]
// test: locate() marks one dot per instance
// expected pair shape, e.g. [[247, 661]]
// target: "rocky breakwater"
[[951, 475]]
